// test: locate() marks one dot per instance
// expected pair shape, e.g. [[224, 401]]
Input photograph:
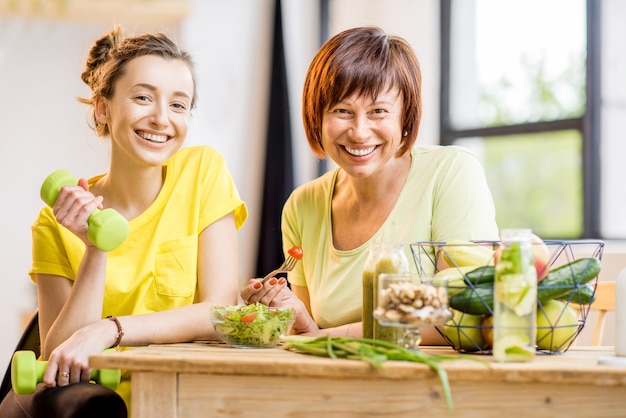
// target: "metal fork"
[[288, 265]]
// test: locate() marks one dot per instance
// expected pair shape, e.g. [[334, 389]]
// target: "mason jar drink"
[[367, 315], [391, 260], [515, 298]]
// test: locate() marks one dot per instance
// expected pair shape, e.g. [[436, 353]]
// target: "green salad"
[[254, 325]]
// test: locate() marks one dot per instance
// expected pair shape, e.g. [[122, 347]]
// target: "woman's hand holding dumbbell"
[[106, 229]]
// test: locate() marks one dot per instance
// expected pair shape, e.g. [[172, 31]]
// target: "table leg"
[[154, 395]]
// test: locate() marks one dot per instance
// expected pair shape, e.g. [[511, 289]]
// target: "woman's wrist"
[[304, 323], [119, 334], [94, 254]]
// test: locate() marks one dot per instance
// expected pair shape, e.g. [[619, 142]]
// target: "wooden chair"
[[605, 302]]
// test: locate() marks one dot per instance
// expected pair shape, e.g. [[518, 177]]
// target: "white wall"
[[613, 119]]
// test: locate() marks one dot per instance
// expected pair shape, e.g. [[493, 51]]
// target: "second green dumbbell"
[[27, 371], [107, 228]]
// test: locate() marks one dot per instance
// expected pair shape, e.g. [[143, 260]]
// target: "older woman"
[[362, 108]]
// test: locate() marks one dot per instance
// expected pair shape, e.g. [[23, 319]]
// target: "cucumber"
[[558, 284], [477, 297], [460, 278], [481, 276], [563, 280], [474, 301], [583, 295]]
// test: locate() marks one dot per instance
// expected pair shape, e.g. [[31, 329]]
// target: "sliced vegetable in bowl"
[[254, 325]]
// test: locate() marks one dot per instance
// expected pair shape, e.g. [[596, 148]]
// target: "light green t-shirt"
[[155, 269], [445, 197]]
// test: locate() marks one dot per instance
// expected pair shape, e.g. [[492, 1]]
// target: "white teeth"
[[153, 137], [360, 151]]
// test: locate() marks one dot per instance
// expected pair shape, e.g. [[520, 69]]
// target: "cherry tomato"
[[295, 252], [248, 318]]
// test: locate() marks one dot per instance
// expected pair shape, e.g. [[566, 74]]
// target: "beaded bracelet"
[[120, 332]]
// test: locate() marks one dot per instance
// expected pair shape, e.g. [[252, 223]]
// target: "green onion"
[[375, 352]]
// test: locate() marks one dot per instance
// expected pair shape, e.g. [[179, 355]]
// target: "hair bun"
[[100, 53]]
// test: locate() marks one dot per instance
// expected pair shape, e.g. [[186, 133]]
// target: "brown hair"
[[107, 60], [364, 61]]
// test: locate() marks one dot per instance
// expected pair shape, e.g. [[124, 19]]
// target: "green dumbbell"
[[107, 228], [27, 371]]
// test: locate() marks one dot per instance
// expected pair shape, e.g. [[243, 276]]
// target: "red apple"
[[541, 255], [497, 253], [487, 329], [441, 262]]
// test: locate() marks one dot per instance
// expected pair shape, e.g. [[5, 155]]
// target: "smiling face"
[[362, 134], [148, 115]]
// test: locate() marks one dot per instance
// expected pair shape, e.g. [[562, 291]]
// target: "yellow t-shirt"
[[155, 269], [445, 197]]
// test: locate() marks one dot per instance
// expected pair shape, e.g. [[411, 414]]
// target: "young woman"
[[362, 108], [180, 257]]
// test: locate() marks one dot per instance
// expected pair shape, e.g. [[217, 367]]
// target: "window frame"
[[588, 124]]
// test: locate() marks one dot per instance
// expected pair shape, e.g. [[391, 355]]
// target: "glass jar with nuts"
[[411, 302]]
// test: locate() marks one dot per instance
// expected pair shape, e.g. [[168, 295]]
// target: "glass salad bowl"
[[252, 326]]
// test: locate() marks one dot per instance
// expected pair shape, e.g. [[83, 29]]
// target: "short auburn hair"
[[362, 61]]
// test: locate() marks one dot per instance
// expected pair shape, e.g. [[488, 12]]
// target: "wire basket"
[[568, 273]]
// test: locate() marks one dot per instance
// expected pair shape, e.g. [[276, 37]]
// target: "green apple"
[[557, 325], [464, 331]]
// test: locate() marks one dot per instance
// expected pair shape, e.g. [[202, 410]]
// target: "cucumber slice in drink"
[[516, 279], [513, 347]]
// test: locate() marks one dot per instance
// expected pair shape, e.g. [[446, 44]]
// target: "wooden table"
[[201, 379]]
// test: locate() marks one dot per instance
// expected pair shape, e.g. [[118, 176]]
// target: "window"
[[518, 87]]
